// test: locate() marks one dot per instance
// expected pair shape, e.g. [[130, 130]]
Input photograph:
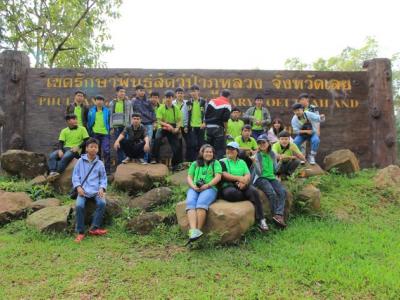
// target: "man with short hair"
[[71, 142], [121, 111], [79, 108], [258, 117], [216, 117], [99, 128], [235, 125], [248, 145], [133, 141]]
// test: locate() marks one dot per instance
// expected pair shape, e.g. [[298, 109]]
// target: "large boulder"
[[230, 220], [308, 170], [63, 184], [310, 198], [179, 178], [24, 164], [267, 205], [145, 223], [43, 203], [53, 218], [151, 199], [344, 160], [13, 206], [133, 177], [388, 177]]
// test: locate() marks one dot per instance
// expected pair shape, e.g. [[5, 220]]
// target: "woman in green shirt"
[[264, 179], [203, 175]]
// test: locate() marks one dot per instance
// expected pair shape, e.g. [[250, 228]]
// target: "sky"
[[246, 34]]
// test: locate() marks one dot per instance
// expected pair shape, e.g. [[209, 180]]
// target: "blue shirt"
[[312, 117]]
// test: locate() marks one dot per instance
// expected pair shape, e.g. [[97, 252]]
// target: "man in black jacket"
[[79, 108]]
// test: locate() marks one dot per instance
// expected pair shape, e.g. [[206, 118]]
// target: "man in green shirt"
[[288, 154], [258, 116], [72, 139], [265, 180], [79, 108], [248, 145], [235, 125], [169, 118]]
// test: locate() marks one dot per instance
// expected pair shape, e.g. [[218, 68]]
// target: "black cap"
[[297, 106], [179, 89], [99, 97], [263, 138], [303, 95], [195, 87], [169, 93], [70, 116], [139, 87]]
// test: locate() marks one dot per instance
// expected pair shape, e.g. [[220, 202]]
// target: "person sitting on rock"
[[248, 145], [264, 169], [71, 141], [258, 116], [305, 126], [276, 128], [235, 125], [236, 185], [133, 141], [92, 169], [288, 155], [203, 176]]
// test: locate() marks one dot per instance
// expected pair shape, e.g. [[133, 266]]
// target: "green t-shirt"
[[99, 126], [267, 166], [171, 115], [119, 106], [249, 144], [235, 168], [206, 172], [195, 119], [73, 137], [290, 151], [235, 128], [258, 116], [78, 114]]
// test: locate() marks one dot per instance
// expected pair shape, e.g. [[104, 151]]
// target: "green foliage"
[[36, 192], [58, 33]]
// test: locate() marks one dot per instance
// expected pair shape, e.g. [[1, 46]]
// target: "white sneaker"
[[311, 159], [263, 225], [126, 160], [142, 161]]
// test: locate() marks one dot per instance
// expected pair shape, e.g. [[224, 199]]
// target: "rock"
[[134, 177], [151, 199], [267, 205], [13, 206], [311, 197], [308, 170], [230, 220], [388, 177], [38, 180], [63, 184], [179, 178], [145, 223], [344, 160], [53, 218], [24, 164], [43, 203]]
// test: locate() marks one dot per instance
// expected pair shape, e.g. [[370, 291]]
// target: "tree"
[[58, 33]]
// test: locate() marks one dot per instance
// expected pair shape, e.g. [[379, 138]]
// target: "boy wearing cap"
[[79, 108], [235, 125], [121, 111], [133, 141], [258, 117], [288, 155], [264, 170], [305, 126], [169, 119], [99, 128], [71, 141], [193, 123]]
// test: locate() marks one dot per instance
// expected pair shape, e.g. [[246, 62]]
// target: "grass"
[[349, 251]]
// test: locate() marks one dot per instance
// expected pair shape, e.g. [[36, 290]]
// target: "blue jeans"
[[149, 130], [195, 200], [314, 139], [275, 193], [80, 213], [104, 149], [59, 165], [120, 153]]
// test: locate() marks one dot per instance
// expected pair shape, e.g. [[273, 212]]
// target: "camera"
[[200, 183]]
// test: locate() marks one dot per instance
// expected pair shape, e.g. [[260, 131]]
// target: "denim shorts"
[[200, 199]]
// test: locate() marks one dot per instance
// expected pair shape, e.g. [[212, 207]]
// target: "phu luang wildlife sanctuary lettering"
[[358, 105]]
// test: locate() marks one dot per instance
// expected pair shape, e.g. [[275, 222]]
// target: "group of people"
[[230, 154]]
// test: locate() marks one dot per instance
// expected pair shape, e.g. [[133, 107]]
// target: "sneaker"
[[79, 238], [53, 176], [311, 159], [126, 160], [98, 231], [278, 219], [302, 162], [194, 234], [142, 161], [153, 162], [263, 226]]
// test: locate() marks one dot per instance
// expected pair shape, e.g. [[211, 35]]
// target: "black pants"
[[194, 140], [132, 150], [174, 142], [215, 136], [233, 194], [286, 168]]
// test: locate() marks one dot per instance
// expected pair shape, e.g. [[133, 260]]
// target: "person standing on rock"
[[236, 185], [216, 118], [264, 170], [79, 108], [89, 167], [71, 142], [203, 176], [258, 116]]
